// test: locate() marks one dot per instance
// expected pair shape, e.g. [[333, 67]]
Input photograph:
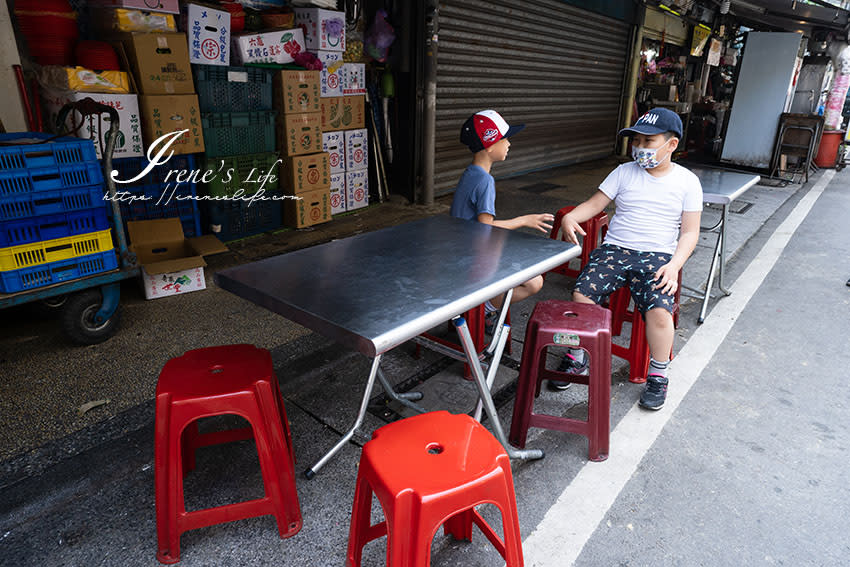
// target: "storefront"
[[552, 65]]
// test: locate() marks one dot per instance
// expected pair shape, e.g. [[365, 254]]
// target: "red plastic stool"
[[427, 471], [637, 351], [235, 379], [566, 323], [594, 228], [475, 321]]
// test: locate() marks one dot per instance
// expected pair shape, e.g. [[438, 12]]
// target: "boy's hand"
[[569, 227], [541, 222], [667, 277]]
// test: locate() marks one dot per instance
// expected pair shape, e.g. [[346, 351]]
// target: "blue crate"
[[59, 151], [239, 219], [49, 178], [54, 272], [158, 207], [128, 168], [49, 227], [23, 205]]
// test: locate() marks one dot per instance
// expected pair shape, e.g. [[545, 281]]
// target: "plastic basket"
[[247, 170], [41, 153], [128, 168], [55, 272], [26, 255], [239, 133], [23, 205], [158, 205], [49, 178], [47, 227], [238, 219], [233, 89]]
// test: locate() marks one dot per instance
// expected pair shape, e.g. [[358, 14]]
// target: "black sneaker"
[[569, 365], [655, 393]]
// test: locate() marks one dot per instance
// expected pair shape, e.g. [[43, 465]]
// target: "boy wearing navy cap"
[[486, 135], [651, 235]]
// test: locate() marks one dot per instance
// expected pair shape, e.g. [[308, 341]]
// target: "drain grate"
[[539, 187]]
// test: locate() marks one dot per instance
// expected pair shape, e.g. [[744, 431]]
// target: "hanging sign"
[[699, 40], [714, 51]]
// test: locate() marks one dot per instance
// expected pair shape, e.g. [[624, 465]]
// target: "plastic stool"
[[566, 323], [475, 318], [235, 379], [594, 228], [637, 351], [427, 471]]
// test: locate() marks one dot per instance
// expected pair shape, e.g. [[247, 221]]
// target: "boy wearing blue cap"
[[486, 135], [651, 235]]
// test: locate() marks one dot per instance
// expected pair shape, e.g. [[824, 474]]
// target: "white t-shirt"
[[649, 209]]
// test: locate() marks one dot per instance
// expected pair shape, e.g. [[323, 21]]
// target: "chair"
[[566, 323], [234, 379], [426, 471], [594, 228]]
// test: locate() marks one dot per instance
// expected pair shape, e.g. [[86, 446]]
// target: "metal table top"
[[721, 186], [374, 291]]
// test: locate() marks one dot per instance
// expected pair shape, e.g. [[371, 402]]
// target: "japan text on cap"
[[656, 121], [485, 128]]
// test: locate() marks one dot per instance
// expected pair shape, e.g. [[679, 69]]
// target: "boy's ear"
[[675, 143]]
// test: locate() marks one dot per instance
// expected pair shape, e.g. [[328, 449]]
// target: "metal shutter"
[[557, 68]]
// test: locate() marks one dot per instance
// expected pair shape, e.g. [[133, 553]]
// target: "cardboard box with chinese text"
[[278, 46], [300, 174], [356, 149], [164, 114], [160, 62], [299, 134], [312, 207], [338, 202], [296, 91], [209, 35], [356, 189], [323, 29], [334, 144]]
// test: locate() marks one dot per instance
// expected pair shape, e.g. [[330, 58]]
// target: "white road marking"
[[570, 522]]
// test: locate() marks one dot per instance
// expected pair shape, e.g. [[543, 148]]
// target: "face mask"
[[645, 157]]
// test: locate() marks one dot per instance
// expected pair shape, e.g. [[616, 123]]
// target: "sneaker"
[[655, 393], [570, 365]]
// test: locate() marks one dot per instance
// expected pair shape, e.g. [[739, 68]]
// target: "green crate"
[[238, 133], [255, 166], [233, 89]]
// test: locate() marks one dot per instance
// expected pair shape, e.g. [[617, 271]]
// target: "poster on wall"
[[714, 52], [699, 40]]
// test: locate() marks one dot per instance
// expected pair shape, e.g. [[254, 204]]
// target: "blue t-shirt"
[[475, 194]]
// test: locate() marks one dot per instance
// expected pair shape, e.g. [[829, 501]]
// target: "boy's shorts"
[[611, 267]]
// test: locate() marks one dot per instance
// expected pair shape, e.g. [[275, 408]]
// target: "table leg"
[[484, 392], [723, 251], [404, 398], [500, 324], [364, 404], [714, 260]]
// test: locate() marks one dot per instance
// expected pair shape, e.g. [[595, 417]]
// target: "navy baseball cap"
[[485, 128], [656, 121]]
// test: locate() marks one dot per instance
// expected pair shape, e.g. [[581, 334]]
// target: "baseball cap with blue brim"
[[485, 128], [656, 121]]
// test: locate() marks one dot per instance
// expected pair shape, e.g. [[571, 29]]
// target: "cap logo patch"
[[490, 134], [648, 118]]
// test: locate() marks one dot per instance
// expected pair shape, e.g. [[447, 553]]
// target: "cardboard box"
[[161, 63], [330, 79], [296, 92], [82, 79], [209, 35], [169, 6], [313, 207], [343, 113], [164, 114], [323, 29], [112, 22], [278, 46], [353, 78], [356, 189], [171, 263], [333, 143], [337, 192], [300, 174], [356, 150], [299, 134], [128, 142]]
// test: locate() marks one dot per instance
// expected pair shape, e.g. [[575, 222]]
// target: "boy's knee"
[[534, 285], [659, 317], [579, 297]]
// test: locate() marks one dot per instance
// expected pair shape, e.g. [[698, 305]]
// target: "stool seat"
[[595, 230], [426, 471], [566, 324], [232, 379]]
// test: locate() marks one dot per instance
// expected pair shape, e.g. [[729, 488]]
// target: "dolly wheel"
[[78, 318]]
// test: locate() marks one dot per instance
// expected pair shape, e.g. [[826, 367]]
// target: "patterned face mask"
[[645, 157]]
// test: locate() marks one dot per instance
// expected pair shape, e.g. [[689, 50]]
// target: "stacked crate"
[[241, 191], [53, 221], [305, 170]]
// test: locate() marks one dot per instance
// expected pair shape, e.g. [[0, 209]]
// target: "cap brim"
[[514, 130], [646, 130]]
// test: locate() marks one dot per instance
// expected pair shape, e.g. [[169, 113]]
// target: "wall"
[[11, 111]]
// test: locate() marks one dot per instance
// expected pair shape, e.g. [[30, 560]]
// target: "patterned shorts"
[[611, 267]]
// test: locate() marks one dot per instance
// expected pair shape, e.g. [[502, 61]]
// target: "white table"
[[720, 187], [375, 291]]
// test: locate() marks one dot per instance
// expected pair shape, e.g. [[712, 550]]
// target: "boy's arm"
[[667, 275], [539, 221], [587, 210]]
